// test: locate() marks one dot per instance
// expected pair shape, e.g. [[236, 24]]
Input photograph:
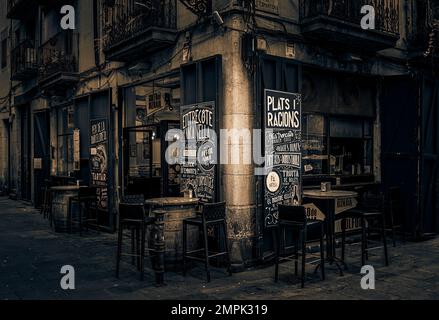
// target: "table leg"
[[159, 246], [332, 256]]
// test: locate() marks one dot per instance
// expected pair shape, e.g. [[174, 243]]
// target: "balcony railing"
[[58, 56], [127, 21], [24, 61], [387, 12]]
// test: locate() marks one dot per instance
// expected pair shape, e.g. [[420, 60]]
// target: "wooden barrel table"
[[60, 206], [177, 209]]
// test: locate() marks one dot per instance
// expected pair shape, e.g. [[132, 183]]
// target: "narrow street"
[[31, 257]]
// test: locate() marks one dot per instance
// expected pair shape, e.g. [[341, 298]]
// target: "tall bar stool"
[[370, 211], [394, 219], [294, 218], [47, 199], [135, 232], [85, 198], [212, 215], [132, 216]]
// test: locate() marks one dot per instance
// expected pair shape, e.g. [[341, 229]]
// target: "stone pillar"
[[238, 179]]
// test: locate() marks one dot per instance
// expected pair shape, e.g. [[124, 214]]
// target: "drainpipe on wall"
[[96, 35], [10, 122]]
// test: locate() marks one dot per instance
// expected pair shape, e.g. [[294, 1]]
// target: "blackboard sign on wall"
[[283, 149], [198, 173], [99, 160]]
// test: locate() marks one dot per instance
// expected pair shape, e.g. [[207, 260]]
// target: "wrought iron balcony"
[[19, 9], [24, 61], [58, 60], [134, 28], [424, 36], [339, 21], [49, 3]]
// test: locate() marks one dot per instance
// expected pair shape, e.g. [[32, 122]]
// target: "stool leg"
[[363, 241], [276, 241], [142, 253], [43, 208], [322, 253], [383, 232], [226, 246], [303, 257], [184, 247], [119, 249], [366, 244], [138, 248], [206, 251], [343, 239], [296, 257], [80, 219], [69, 215], [50, 211], [133, 258]]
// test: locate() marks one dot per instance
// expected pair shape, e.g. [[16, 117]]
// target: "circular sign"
[[273, 182], [206, 156]]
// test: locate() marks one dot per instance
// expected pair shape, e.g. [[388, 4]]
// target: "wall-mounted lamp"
[[218, 19]]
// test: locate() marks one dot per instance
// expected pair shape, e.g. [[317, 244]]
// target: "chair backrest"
[[131, 211], [214, 211], [133, 199], [295, 214], [87, 192], [372, 201]]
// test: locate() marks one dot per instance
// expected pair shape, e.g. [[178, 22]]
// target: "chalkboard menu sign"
[[99, 160], [283, 149], [198, 171]]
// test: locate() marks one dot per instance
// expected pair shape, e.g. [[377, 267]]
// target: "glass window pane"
[[315, 154], [347, 156], [346, 128], [368, 131]]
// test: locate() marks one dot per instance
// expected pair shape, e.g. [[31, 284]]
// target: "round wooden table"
[[170, 213], [330, 198], [60, 206]]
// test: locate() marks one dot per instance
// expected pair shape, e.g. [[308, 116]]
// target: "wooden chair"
[[294, 218], [86, 199], [132, 216], [395, 220], [370, 210], [212, 215]]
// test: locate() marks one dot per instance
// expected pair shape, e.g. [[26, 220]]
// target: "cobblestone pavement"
[[31, 257]]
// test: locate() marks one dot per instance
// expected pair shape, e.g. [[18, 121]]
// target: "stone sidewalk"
[[31, 257]]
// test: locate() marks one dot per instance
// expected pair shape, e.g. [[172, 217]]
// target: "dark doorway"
[[25, 145], [145, 168], [399, 145], [82, 122], [429, 167], [41, 154]]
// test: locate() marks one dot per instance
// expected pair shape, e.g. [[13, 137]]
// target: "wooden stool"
[[294, 217], [86, 197], [370, 210], [212, 215], [133, 217]]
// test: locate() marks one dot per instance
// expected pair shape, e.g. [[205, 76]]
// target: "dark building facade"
[[94, 104]]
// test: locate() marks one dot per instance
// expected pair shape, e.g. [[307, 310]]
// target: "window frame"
[[327, 137], [65, 133]]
